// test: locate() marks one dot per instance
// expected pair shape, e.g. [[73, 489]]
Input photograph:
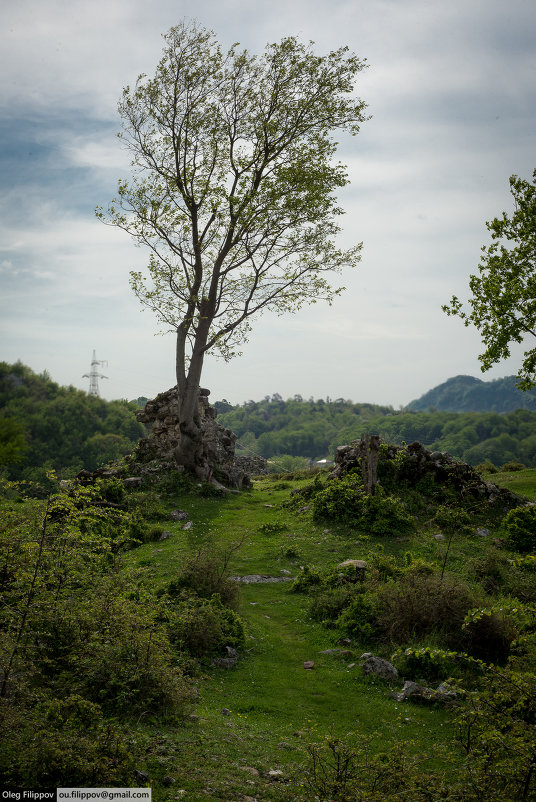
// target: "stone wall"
[[162, 414], [418, 462]]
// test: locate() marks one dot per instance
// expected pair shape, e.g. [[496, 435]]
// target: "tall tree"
[[503, 305], [234, 192]]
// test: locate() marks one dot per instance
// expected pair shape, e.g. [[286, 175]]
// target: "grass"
[[260, 715], [521, 482], [276, 706]]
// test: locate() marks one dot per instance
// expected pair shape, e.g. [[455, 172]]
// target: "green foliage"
[[503, 302], [342, 772], [203, 627], [72, 620], [12, 441], [496, 732], [45, 426], [343, 501], [314, 429], [273, 528], [421, 605], [206, 574], [453, 521], [511, 466], [486, 467], [50, 743], [360, 619], [426, 664], [519, 528]]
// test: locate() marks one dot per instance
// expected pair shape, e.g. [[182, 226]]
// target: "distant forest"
[[44, 426], [314, 429]]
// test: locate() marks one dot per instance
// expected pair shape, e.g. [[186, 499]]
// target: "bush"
[[519, 529], [360, 619], [488, 636], [342, 500], [58, 743], [486, 467], [510, 467], [328, 603], [428, 665], [417, 606], [309, 578], [206, 574], [203, 627]]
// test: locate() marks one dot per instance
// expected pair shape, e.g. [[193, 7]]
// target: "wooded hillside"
[[314, 429], [44, 426]]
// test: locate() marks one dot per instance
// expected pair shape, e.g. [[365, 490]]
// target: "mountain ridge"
[[465, 393]]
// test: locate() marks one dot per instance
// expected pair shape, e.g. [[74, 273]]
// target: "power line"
[[94, 375]]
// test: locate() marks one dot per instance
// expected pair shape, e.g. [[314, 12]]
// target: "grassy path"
[[276, 707]]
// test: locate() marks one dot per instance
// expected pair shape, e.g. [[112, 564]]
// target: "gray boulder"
[[378, 667]]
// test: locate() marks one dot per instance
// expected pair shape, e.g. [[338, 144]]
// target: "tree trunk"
[[189, 452]]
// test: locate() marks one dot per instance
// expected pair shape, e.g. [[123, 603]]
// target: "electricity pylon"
[[94, 375]]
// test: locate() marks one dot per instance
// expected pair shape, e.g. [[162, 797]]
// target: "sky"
[[451, 90]]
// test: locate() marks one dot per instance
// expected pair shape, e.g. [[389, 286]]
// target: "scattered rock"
[[378, 667], [165, 536], [132, 481], [309, 665], [444, 695], [227, 662], [250, 770], [141, 776], [480, 532], [250, 579], [226, 711], [187, 525], [275, 774], [179, 515]]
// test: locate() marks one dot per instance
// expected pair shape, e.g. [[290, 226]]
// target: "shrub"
[[417, 606], [149, 505], [430, 665], [328, 603], [342, 500], [203, 627], [272, 528], [488, 635], [519, 528], [53, 743], [491, 570], [510, 467], [206, 574], [486, 467], [360, 619], [307, 579], [496, 731]]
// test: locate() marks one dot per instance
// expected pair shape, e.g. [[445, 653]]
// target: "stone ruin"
[[156, 451], [419, 463]]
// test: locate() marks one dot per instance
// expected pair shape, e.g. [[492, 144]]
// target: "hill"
[[469, 394], [44, 426], [313, 429]]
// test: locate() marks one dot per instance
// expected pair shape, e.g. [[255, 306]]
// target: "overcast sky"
[[451, 88]]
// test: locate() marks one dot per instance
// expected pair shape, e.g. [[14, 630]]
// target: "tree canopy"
[[503, 304], [234, 191]]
